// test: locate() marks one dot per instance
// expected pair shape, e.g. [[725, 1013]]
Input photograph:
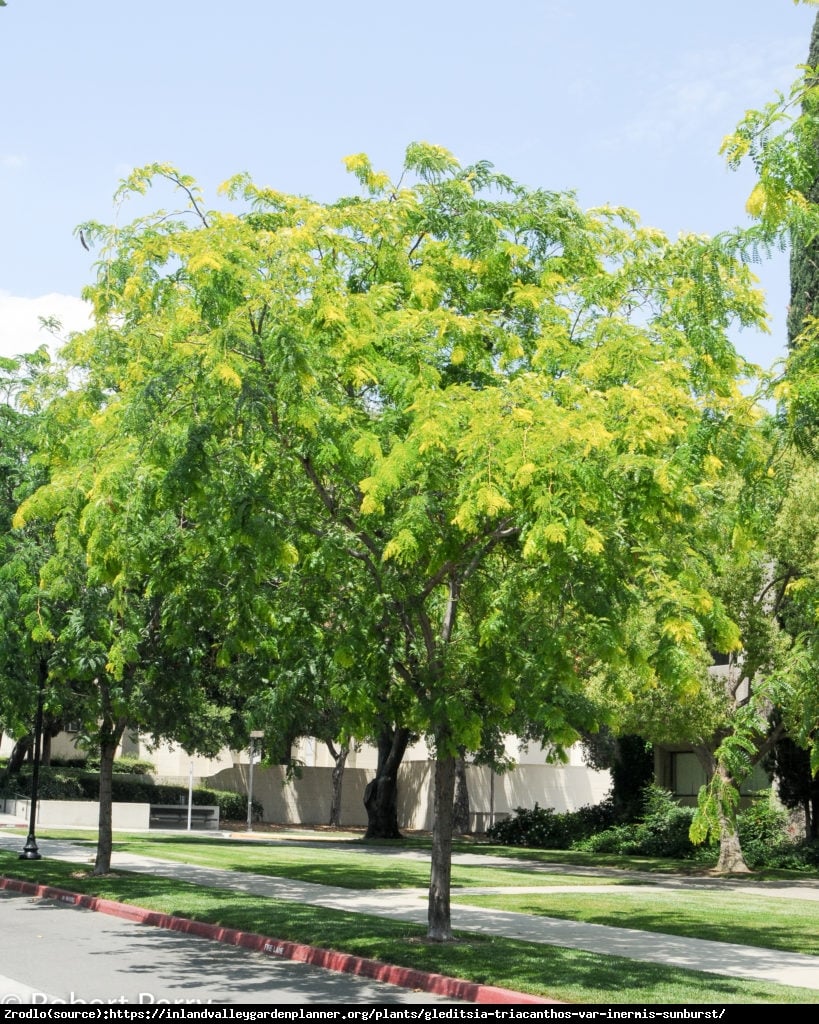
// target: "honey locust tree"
[[22, 661], [468, 399], [115, 643], [25, 651]]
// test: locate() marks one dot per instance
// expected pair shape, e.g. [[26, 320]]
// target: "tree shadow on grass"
[[319, 865]]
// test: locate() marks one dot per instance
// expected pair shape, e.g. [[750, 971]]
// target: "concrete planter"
[[86, 813]]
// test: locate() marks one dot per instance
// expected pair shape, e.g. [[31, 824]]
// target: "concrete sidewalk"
[[719, 958]]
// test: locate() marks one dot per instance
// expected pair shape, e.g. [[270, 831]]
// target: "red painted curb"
[[346, 963]]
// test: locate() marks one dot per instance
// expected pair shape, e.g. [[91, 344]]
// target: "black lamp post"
[[30, 851]]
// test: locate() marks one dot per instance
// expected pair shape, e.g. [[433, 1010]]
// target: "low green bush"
[[662, 831], [134, 766], [544, 828], [537, 826], [122, 765], [766, 841], [75, 784], [619, 839], [57, 785]]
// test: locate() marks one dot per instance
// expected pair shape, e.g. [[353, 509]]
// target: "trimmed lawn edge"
[[345, 963]]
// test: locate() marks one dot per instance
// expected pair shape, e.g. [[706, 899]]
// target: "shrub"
[[538, 827], [662, 831], [764, 837], [664, 827], [620, 839], [543, 828], [806, 854], [134, 766], [593, 818]]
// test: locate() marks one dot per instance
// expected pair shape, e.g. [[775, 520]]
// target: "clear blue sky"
[[623, 102]]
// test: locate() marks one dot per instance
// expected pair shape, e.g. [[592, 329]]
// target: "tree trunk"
[[381, 794], [108, 749], [731, 859], [52, 727], [460, 806], [102, 864], [339, 755], [440, 922], [19, 752]]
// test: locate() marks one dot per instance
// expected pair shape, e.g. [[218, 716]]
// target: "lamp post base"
[[30, 851]]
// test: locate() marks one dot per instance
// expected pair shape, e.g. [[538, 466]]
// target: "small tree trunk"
[[381, 794], [102, 864], [339, 755], [460, 807], [731, 859], [110, 736], [439, 916]]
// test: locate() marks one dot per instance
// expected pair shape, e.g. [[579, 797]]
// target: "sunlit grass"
[[749, 920]]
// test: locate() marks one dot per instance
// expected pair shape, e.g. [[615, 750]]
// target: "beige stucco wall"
[[171, 761], [302, 801], [306, 800]]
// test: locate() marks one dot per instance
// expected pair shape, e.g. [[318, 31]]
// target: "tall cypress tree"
[[805, 253]]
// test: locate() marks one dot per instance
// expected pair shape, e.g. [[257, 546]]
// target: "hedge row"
[[75, 784], [122, 766]]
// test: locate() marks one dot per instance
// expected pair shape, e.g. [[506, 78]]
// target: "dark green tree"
[[797, 787], [804, 261]]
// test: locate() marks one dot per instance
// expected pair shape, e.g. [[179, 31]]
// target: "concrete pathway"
[[410, 905]]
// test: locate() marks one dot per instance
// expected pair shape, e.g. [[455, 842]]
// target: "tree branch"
[[500, 532], [329, 503], [175, 179]]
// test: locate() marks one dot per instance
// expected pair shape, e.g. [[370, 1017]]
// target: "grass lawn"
[[785, 924], [564, 974], [351, 866]]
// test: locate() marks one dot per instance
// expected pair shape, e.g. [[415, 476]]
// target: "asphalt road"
[[53, 953]]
